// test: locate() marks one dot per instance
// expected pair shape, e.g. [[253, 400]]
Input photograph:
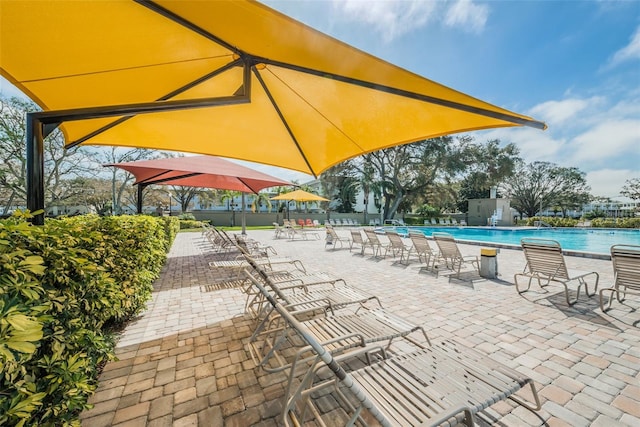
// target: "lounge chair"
[[253, 247], [279, 231], [422, 249], [316, 223], [303, 293], [545, 262], [220, 241], [626, 269], [236, 267], [441, 384], [362, 326], [304, 234], [333, 238], [356, 240], [375, 244], [433, 221], [451, 255], [396, 245]]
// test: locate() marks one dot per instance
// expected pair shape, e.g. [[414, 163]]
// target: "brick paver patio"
[[184, 361]]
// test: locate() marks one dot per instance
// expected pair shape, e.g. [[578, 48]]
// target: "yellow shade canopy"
[[228, 78], [300, 196]]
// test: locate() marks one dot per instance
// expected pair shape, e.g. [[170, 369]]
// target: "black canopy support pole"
[[248, 186], [35, 168], [139, 201], [157, 180]]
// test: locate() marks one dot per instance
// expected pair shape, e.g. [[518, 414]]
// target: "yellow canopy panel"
[[269, 89]]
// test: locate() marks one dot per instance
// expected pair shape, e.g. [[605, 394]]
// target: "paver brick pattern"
[[183, 362]]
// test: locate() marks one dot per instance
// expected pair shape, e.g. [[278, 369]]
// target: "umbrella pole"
[[244, 222]]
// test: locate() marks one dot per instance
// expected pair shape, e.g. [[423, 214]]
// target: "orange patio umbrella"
[[299, 196]]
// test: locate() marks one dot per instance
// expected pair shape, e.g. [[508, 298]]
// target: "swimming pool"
[[583, 240]]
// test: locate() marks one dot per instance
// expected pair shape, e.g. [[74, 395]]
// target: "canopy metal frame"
[[40, 124]]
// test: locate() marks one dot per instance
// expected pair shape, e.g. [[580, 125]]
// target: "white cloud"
[[467, 15], [555, 113], [390, 18], [394, 18], [606, 140], [629, 52], [609, 182]]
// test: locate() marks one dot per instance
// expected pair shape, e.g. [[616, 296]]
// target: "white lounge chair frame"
[[545, 263], [422, 249], [333, 237], [626, 269], [451, 255], [356, 239], [375, 244], [396, 245]]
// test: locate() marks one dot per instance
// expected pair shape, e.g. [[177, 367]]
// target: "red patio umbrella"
[[199, 171]]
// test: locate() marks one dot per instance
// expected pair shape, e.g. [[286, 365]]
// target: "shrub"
[[62, 286], [553, 221], [186, 224], [597, 222], [616, 222], [187, 216]]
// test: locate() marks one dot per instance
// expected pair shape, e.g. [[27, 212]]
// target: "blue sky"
[[573, 64]]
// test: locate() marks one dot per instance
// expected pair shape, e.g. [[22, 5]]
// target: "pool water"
[[584, 240]]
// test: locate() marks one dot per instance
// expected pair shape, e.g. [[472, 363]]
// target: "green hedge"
[[616, 222], [64, 285], [598, 222]]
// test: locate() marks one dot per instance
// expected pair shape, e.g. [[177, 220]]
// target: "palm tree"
[[259, 199], [228, 196]]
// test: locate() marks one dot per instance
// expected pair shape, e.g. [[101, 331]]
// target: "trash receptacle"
[[489, 263]]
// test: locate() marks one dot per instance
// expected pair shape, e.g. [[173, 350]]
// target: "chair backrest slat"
[[356, 237], [373, 238], [626, 265], [544, 257], [447, 245]]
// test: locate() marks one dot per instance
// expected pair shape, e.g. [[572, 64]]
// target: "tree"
[[631, 189], [331, 182], [184, 195], [122, 180], [228, 196], [411, 170], [492, 166], [60, 165], [540, 185], [260, 199]]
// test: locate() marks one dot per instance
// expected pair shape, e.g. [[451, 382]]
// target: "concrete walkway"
[[184, 362]]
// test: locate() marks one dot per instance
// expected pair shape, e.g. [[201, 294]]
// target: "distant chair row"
[[444, 221], [345, 222]]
